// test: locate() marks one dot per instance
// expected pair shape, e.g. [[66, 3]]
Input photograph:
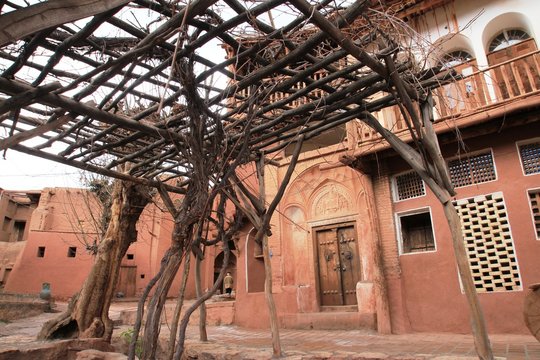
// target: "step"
[[329, 320], [342, 308]]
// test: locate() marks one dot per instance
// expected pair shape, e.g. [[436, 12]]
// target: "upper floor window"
[[455, 58], [507, 38], [408, 185], [529, 154], [472, 169]]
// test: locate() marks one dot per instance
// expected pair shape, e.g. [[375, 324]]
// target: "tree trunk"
[[203, 336], [178, 308], [88, 313], [157, 302], [200, 300]]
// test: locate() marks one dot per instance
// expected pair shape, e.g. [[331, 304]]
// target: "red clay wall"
[[55, 225], [427, 294], [319, 194]]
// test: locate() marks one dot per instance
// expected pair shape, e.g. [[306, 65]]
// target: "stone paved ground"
[[511, 347], [311, 344]]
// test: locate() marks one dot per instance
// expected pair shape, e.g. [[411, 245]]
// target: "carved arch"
[[331, 199]]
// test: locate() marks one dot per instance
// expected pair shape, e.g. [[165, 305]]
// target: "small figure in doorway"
[[228, 284]]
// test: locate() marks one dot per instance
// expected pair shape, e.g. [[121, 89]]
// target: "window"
[[530, 157], [6, 224], [18, 229], [507, 38], [41, 251], [130, 256], [488, 242], [416, 232], [142, 276], [473, 169], [455, 58], [72, 251], [408, 185], [534, 197]]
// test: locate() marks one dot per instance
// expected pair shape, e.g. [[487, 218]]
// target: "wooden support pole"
[[335, 34], [95, 169], [478, 324], [39, 130], [13, 87], [274, 324], [16, 25]]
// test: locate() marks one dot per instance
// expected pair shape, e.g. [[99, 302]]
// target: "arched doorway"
[[231, 267]]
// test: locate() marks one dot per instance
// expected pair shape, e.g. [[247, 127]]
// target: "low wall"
[[17, 306], [217, 313]]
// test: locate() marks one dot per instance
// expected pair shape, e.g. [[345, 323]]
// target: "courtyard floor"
[[241, 343]]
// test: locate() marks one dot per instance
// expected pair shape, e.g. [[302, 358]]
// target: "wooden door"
[[338, 264], [127, 281], [350, 262]]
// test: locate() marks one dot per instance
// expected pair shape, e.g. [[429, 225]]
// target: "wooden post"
[[481, 340], [276, 343]]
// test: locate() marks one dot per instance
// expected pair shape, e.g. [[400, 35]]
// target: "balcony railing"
[[474, 92]]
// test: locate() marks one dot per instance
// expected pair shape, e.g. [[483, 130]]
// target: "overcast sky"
[[19, 171]]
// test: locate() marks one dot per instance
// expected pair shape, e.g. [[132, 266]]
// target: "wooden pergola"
[[94, 84]]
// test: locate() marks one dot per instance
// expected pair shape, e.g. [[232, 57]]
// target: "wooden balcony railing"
[[476, 91]]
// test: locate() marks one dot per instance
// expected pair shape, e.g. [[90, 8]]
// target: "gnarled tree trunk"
[[87, 315]]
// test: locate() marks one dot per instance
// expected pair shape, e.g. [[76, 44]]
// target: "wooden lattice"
[[534, 196], [408, 186], [89, 87], [530, 157], [474, 169], [489, 243]]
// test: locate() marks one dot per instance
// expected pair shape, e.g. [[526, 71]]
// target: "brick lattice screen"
[[409, 185], [530, 157], [534, 196], [489, 244], [472, 170]]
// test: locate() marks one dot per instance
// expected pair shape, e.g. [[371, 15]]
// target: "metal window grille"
[[489, 243], [534, 196], [530, 157], [472, 170], [409, 185]]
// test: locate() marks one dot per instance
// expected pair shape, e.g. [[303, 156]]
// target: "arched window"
[[455, 58], [507, 38]]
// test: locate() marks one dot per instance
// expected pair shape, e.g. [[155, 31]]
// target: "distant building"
[[61, 239], [16, 208]]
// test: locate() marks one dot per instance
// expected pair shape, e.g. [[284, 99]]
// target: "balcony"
[[460, 103], [463, 101]]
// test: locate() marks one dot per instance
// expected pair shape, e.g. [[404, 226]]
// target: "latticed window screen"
[[489, 244], [472, 170], [530, 157], [409, 185], [534, 196]]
